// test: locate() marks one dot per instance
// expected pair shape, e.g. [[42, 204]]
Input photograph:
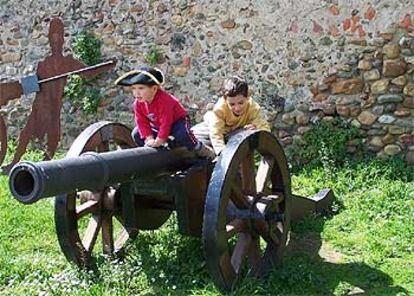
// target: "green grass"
[[371, 230]]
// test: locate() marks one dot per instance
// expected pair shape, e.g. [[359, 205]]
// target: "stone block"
[[400, 80], [391, 51], [388, 139], [364, 65], [376, 141], [409, 157], [403, 112], [372, 75], [348, 86], [386, 119], [380, 87], [409, 90], [392, 149], [343, 110], [389, 98], [394, 68], [367, 118], [408, 102]]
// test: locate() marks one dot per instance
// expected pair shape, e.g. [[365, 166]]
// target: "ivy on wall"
[[80, 91]]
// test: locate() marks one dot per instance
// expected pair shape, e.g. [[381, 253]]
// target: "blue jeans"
[[180, 130]]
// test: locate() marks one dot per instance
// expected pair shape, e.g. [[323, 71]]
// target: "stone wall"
[[375, 92], [349, 59]]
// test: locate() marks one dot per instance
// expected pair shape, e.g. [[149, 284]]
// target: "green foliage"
[[82, 94], [326, 144], [80, 91], [87, 48], [153, 56]]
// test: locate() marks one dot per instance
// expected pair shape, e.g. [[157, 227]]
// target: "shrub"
[[87, 48], [80, 91], [327, 144]]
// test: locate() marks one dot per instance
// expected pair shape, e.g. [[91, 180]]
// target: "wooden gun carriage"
[[240, 205]]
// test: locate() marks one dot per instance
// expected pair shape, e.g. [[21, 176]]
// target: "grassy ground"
[[365, 245]]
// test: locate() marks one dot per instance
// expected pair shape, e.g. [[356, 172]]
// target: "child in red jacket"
[[158, 114]]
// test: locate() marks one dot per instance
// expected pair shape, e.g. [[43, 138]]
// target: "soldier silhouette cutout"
[[3, 139], [44, 119], [8, 91]]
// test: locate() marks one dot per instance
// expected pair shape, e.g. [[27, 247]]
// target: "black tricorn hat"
[[143, 75]]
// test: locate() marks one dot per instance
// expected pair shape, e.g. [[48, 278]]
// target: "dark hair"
[[234, 86]]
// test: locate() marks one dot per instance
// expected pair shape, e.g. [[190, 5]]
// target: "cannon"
[[240, 204]]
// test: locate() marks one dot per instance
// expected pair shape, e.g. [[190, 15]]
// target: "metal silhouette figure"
[[44, 119], [8, 91]]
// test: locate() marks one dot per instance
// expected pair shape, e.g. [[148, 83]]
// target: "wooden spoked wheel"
[[247, 211], [81, 216]]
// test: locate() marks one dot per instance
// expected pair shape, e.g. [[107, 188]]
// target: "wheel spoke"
[[107, 234], [125, 235], [269, 261], [247, 169], [240, 251], [103, 147], [121, 240], [262, 228], [86, 208], [91, 233], [227, 271], [278, 232], [254, 256], [91, 144], [263, 172], [238, 198]]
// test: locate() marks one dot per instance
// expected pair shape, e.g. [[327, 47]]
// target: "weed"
[[327, 144], [153, 56], [80, 91]]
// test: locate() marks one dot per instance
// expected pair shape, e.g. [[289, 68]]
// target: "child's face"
[[238, 104], [142, 92]]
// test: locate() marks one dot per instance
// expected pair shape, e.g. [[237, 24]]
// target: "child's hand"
[[250, 126], [149, 141], [156, 143]]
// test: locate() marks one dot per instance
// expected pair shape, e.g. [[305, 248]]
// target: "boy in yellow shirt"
[[232, 111]]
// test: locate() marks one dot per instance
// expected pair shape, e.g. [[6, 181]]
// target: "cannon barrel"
[[29, 181]]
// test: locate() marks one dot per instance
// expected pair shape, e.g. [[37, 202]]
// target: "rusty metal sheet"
[[3, 139], [44, 119], [9, 91]]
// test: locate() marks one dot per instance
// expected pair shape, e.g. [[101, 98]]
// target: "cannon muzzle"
[[29, 181]]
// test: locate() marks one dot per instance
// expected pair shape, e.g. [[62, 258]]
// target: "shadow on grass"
[[173, 264], [313, 267]]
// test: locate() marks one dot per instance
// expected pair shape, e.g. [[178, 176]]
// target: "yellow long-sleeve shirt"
[[221, 121]]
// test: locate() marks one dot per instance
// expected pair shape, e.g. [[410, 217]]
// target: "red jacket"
[[161, 113]]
